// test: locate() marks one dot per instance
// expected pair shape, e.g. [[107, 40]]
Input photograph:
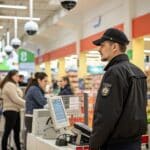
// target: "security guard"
[[120, 109]]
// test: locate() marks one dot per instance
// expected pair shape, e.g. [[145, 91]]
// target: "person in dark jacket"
[[34, 96], [120, 109], [65, 87], [21, 81]]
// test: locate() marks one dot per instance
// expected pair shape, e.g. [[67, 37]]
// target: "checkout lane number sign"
[[23, 56]]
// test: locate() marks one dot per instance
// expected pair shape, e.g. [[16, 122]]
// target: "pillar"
[[82, 68], [61, 67], [48, 70], [138, 52], [129, 8], [37, 68]]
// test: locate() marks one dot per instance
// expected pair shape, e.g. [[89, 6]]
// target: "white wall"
[[142, 7], [112, 12], [57, 39], [111, 16]]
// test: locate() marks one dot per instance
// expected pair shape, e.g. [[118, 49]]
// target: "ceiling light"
[[93, 52], [19, 18], [93, 56], [13, 6], [146, 39], [147, 51], [1, 27], [54, 2]]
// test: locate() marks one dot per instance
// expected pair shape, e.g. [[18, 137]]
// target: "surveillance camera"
[[31, 27], [68, 4], [15, 43], [8, 49]]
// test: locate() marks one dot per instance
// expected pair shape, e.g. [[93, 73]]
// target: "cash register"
[[82, 133], [57, 126], [57, 122]]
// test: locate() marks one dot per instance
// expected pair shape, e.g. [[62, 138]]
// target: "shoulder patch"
[[106, 89]]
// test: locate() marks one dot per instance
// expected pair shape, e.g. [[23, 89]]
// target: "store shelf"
[[92, 83]]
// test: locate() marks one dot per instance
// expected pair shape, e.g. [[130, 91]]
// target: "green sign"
[[148, 116], [130, 53], [4, 66], [25, 56]]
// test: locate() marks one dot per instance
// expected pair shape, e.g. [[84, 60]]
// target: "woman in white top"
[[12, 103]]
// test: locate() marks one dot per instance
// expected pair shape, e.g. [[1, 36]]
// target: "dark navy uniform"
[[120, 109]]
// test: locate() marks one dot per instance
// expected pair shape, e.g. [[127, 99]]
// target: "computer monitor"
[[57, 112]]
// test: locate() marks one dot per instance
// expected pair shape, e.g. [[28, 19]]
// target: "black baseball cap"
[[114, 35]]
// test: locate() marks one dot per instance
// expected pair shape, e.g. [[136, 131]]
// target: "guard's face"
[[42, 83], [106, 50]]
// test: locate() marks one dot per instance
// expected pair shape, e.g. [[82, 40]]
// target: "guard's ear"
[[115, 47]]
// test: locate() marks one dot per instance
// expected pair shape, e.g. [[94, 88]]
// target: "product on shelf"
[[92, 83]]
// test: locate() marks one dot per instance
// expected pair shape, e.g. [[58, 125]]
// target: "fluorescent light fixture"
[[54, 2], [146, 39], [147, 51], [19, 18], [92, 56], [13, 6], [93, 52], [1, 27]]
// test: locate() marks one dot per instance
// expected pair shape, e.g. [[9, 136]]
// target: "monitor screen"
[[58, 112]]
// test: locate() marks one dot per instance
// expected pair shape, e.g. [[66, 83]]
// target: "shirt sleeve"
[[14, 96], [108, 109], [39, 97]]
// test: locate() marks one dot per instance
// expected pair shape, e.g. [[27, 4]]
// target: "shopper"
[[120, 109], [34, 96], [65, 87], [55, 87], [12, 103], [21, 81]]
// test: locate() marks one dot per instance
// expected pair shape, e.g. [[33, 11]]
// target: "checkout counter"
[[38, 143], [50, 129]]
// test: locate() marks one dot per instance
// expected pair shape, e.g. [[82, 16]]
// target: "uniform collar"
[[116, 60]]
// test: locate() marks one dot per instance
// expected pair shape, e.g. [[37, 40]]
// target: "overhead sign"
[[4, 66], [26, 60], [25, 56]]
